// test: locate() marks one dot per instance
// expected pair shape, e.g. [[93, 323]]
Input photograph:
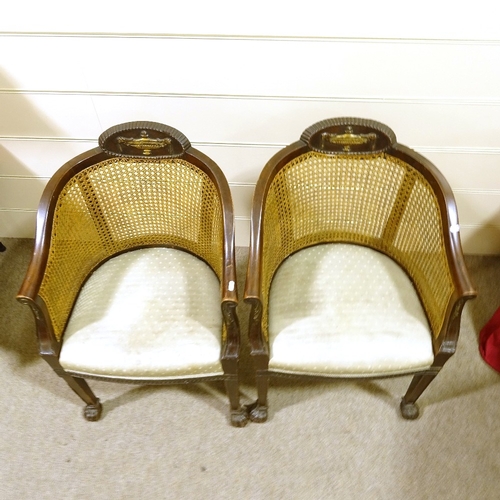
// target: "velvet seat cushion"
[[153, 313], [346, 310]]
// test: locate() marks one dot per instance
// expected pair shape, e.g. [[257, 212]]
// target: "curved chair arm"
[[464, 290], [252, 283], [229, 290], [45, 216], [449, 214], [49, 344]]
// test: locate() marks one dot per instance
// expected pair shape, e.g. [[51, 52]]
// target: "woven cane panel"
[[376, 201], [117, 205], [419, 246]]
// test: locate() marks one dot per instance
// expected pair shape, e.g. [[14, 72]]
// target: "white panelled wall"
[[243, 81]]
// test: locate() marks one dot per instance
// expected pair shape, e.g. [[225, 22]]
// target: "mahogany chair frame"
[[148, 140], [348, 137]]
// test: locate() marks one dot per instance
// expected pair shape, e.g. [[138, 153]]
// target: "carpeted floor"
[[324, 440]]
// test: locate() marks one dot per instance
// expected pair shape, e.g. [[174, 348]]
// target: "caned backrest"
[[122, 203], [373, 199]]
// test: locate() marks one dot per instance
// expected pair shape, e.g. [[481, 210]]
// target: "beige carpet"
[[332, 440]]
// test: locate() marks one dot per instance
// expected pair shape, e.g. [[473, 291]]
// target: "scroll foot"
[[409, 411], [239, 418], [257, 412], [92, 412]]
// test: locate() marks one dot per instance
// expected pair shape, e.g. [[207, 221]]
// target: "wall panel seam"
[[26, 177], [257, 38], [476, 192], [259, 97], [24, 210]]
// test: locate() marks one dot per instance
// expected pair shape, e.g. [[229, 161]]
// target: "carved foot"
[[239, 418], [92, 413], [257, 412], [409, 410]]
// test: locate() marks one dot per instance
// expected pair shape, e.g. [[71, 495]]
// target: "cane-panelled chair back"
[[144, 187], [115, 206], [348, 182]]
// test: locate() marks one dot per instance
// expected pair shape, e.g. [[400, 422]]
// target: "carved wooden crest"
[[349, 136], [144, 139]]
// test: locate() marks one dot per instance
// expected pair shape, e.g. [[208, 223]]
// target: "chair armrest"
[[449, 218], [29, 291], [254, 270], [45, 216], [462, 287], [229, 281], [253, 294]]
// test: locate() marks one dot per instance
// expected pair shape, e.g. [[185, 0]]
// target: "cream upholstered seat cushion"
[[152, 313], [346, 310]]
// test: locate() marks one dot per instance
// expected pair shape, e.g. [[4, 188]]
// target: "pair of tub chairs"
[[355, 264]]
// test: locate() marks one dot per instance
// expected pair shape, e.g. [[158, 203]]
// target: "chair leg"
[[239, 417], [419, 383], [92, 412], [258, 410]]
